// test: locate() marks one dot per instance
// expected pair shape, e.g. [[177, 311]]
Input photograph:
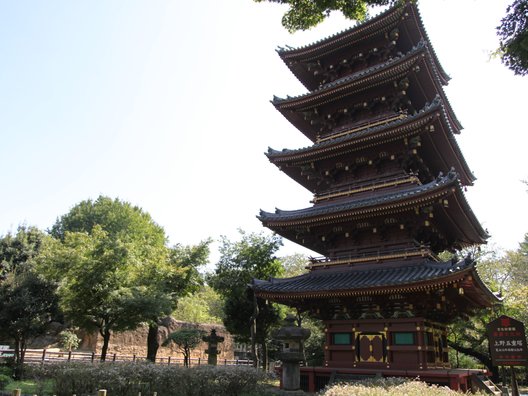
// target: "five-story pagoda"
[[387, 177]]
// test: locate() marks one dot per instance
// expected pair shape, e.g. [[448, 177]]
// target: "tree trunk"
[[152, 342], [265, 356], [186, 354], [106, 340], [20, 349], [481, 357], [253, 331]]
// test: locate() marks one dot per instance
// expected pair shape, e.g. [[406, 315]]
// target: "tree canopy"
[[513, 34], [28, 301], [112, 266], [305, 14], [253, 256], [186, 339]]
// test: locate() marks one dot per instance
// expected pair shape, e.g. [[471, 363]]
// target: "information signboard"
[[507, 341]]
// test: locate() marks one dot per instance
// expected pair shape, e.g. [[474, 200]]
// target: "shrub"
[[388, 387], [69, 340], [128, 379], [4, 380]]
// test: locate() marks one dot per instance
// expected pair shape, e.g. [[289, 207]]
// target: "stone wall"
[[135, 342]]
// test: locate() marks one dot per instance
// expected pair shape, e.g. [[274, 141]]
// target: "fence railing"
[[44, 356]]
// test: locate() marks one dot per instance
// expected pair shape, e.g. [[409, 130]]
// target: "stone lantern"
[[212, 347], [292, 338]]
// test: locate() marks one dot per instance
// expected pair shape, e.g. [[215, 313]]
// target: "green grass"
[[31, 387]]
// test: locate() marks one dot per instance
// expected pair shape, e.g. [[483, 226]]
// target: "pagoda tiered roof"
[[419, 280], [291, 161], [351, 281], [407, 17], [292, 108], [457, 216]]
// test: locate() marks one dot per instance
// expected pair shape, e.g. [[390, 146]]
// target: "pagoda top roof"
[[355, 281], [328, 87], [331, 146], [294, 57], [393, 68]]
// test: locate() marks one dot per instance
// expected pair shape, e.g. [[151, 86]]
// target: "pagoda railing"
[[367, 125], [379, 255], [336, 193]]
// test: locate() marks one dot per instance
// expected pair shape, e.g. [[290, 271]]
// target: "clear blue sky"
[[165, 104]]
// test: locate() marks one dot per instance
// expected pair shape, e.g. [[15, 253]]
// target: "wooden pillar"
[[311, 381]]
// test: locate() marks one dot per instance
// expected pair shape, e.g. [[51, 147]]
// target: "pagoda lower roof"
[[297, 58], [399, 278], [393, 69], [387, 132]]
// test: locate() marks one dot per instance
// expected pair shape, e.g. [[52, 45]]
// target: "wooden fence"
[[44, 356]]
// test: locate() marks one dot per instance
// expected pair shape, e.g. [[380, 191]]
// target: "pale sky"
[[165, 104]]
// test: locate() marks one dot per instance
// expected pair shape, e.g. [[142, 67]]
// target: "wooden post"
[[114, 358], [102, 392], [168, 361], [134, 357], [93, 356], [515, 386], [43, 355], [16, 392]]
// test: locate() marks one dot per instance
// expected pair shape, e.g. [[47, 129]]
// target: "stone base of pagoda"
[[314, 379]]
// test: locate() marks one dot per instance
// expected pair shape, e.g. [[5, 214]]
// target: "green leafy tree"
[[69, 340], [182, 279], [112, 266], [251, 257], [186, 339], [203, 306], [505, 273], [513, 34], [294, 264], [305, 14], [28, 301]]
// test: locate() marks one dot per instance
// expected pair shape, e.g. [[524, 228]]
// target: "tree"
[[251, 257], [27, 300], [506, 274], [203, 306], [184, 279], [305, 14], [294, 264], [186, 339], [69, 340], [112, 266], [513, 34]]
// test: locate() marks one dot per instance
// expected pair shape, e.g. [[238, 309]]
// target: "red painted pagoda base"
[[313, 379]]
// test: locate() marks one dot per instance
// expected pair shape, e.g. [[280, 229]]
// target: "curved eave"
[[367, 79], [479, 292], [366, 206], [350, 37], [355, 82], [295, 57], [458, 216], [391, 131], [351, 282], [465, 220]]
